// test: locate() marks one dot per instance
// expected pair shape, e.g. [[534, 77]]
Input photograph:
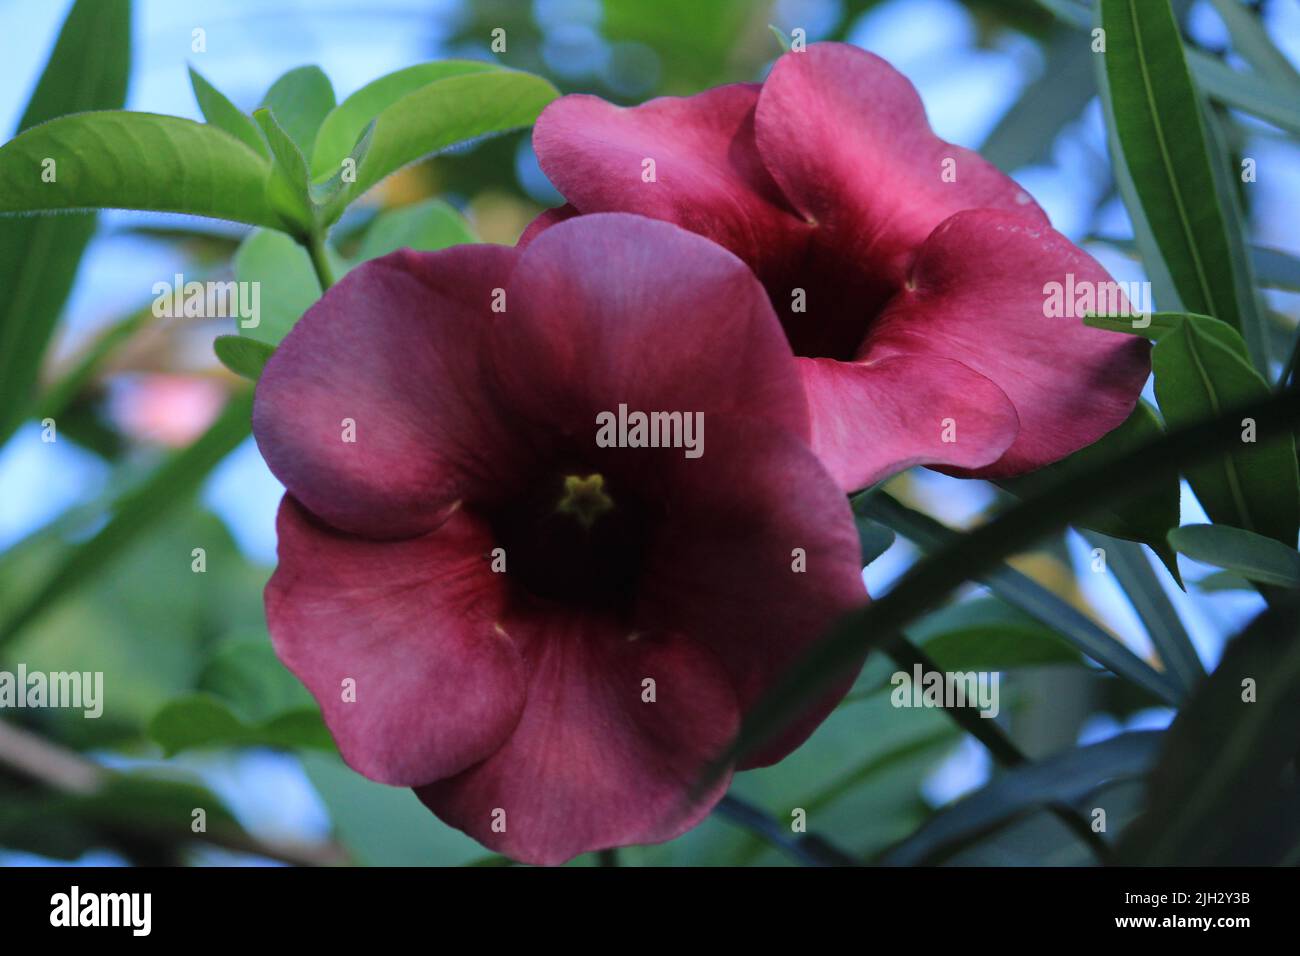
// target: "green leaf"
[[1028, 595], [242, 355], [1025, 133], [384, 826], [1253, 43], [1165, 628], [1225, 168], [203, 721], [224, 115], [133, 514], [973, 555], [1255, 485], [1277, 269], [1156, 114], [1146, 519], [87, 70], [424, 226], [442, 114], [1250, 556], [127, 809], [123, 160], [989, 635], [1225, 757], [288, 284], [343, 126], [874, 537], [300, 100], [288, 190], [1063, 778], [1243, 91], [781, 38]]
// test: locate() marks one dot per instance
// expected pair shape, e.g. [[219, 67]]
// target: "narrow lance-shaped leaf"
[[1156, 113], [1061, 778], [1225, 757], [223, 114], [287, 190], [1201, 368], [974, 554], [1146, 519], [1250, 556], [133, 514], [39, 255]]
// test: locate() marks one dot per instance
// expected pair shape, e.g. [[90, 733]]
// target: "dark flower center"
[[577, 538], [827, 302]]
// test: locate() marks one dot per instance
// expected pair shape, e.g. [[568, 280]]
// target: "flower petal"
[[438, 685], [545, 219], [977, 294], [613, 309], [592, 763], [708, 177], [870, 421], [396, 348], [846, 138], [758, 559]]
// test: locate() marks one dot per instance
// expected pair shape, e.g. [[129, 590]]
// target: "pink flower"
[[569, 702], [909, 274]]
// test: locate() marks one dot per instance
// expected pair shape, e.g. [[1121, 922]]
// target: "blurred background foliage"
[[199, 713]]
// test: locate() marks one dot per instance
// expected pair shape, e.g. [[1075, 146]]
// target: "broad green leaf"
[[1223, 581], [1255, 485], [1224, 759], [1028, 595], [1063, 778], [1163, 625], [39, 255], [203, 721], [424, 226], [1146, 519], [1156, 114], [242, 355], [442, 114], [286, 279], [1251, 556], [287, 191], [248, 677], [123, 160], [133, 514], [223, 114], [300, 101], [344, 124]]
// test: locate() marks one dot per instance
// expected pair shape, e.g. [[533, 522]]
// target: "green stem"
[[320, 260]]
